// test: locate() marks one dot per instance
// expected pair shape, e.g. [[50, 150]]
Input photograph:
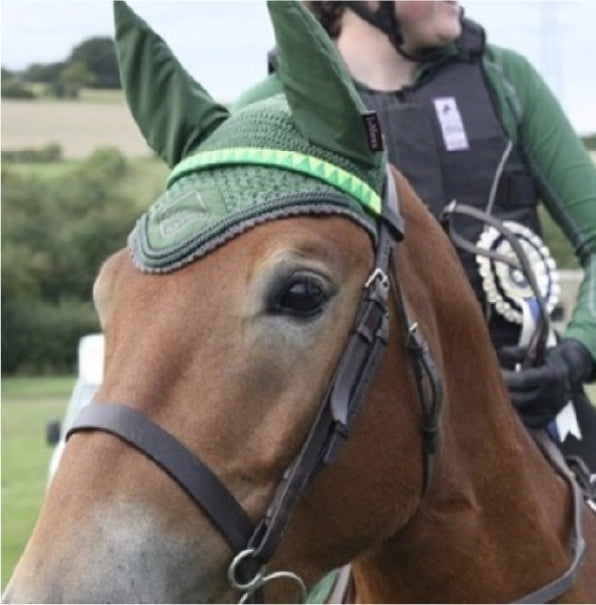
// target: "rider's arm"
[[564, 173]]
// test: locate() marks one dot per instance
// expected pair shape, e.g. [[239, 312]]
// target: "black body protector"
[[445, 135]]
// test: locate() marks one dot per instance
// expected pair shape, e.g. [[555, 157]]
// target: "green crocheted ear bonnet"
[[302, 152]]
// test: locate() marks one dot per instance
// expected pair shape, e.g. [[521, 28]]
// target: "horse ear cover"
[[151, 75], [301, 152]]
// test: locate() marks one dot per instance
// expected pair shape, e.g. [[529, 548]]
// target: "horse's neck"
[[494, 506], [495, 518]]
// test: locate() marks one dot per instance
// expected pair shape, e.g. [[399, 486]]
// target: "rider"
[[468, 121]]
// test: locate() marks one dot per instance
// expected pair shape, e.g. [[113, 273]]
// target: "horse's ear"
[[173, 111], [325, 105]]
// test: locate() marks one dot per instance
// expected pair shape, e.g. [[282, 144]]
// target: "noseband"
[[255, 545]]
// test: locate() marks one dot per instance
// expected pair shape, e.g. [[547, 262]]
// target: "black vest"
[[445, 135]]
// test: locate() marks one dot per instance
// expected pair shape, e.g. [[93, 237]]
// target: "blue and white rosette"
[[506, 287], [511, 295]]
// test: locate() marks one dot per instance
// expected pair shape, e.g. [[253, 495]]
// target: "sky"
[[224, 43]]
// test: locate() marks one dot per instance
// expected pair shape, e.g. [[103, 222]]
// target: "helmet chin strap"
[[386, 20]]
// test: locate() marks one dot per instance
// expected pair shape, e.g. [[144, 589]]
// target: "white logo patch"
[[452, 126]]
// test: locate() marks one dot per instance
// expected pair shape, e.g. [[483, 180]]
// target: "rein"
[[538, 342], [565, 581], [536, 351]]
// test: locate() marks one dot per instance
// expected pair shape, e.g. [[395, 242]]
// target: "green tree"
[[56, 232], [72, 78], [99, 55], [8, 75], [14, 87], [46, 73]]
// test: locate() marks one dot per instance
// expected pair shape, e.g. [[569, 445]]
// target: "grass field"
[[27, 405], [78, 127]]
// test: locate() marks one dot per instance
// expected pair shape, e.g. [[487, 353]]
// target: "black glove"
[[541, 392]]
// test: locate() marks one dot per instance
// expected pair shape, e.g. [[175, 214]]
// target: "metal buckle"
[[260, 579], [379, 274]]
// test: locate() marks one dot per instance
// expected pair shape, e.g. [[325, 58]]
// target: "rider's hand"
[[539, 393]]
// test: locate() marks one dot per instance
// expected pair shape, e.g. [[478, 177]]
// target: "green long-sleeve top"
[[564, 174]]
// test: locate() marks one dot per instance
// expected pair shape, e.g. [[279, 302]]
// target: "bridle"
[[255, 545]]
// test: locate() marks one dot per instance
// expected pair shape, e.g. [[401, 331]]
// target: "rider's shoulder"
[[509, 63], [264, 89]]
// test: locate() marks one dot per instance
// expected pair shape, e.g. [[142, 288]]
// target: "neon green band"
[[289, 160]]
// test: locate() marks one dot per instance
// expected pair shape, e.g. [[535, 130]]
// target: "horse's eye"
[[304, 297]]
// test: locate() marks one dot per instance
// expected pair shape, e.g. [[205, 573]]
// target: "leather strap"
[[537, 345], [194, 477], [355, 371], [559, 586], [428, 385], [428, 380]]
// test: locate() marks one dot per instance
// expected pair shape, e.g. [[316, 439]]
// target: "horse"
[[302, 396]]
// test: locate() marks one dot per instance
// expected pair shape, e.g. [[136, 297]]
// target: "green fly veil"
[[304, 151]]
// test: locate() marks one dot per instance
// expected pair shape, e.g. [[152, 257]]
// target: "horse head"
[[270, 411]]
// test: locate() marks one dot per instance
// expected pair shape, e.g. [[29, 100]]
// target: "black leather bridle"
[[255, 545]]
